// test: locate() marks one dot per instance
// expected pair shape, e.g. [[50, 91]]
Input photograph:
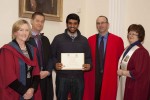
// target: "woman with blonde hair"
[[19, 70]]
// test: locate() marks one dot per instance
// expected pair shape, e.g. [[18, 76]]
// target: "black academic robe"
[[46, 84]]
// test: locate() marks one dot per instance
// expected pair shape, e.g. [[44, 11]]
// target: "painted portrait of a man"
[[44, 6]]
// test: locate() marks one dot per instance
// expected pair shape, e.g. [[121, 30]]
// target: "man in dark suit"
[[42, 43]]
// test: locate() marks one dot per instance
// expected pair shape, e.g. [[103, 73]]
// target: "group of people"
[[109, 72]]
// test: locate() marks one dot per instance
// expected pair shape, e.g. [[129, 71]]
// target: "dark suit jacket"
[[46, 84]]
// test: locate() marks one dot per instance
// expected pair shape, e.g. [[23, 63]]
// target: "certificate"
[[72, 61]]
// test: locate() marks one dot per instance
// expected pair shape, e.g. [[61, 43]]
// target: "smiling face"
[[23, 33], [38, 23], [72, 25], [21, 30], [102, 25], [136, 32], [132, 37]]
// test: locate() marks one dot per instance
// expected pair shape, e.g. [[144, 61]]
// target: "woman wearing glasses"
[[134, 68]]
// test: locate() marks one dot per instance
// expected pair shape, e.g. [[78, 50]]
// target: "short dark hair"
[[73, 16], [37, 13], [138, 29]]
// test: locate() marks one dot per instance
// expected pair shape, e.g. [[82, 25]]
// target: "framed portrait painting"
[[52, 9]]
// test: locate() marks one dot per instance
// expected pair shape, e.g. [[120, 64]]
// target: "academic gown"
[[46, 84], [10, 71], [114, 49], [136, 88]]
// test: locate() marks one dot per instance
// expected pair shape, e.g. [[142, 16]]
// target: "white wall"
[[7, 17], [92, 11], [137, 11]]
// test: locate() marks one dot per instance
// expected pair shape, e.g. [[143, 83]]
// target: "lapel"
[[32, 42]]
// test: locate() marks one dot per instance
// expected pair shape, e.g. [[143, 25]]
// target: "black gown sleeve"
[[18, 87], [35, 82]]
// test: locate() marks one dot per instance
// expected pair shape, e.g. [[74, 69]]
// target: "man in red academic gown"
[[101, 81]]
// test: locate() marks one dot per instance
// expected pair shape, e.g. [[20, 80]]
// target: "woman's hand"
[[28, 94]]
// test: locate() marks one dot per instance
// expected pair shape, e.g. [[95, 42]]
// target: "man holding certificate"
[[71, 55]]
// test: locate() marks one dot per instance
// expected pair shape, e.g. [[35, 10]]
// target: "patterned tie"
[[101, 54]]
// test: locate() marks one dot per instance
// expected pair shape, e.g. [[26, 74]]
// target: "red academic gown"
[[114, 49], [9, 72], [139, 66]]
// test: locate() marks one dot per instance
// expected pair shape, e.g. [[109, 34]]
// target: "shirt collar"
[[105, 36], [34, 33], [74, 35]]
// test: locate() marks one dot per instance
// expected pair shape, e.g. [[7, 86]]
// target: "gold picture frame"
[[52, 9]]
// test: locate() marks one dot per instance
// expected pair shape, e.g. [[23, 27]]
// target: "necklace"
[[23, 48]]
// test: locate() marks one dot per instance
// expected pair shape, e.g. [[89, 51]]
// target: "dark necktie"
[[99, 70], [101, 54], [39, 47]]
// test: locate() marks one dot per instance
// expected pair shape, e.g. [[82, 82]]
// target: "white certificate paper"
[[72, 61]]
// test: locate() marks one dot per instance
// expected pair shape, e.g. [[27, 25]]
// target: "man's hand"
[[58, 66], [44, 74], [86, 67]]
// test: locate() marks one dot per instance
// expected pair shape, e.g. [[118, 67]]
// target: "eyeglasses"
[[98, 23], [132, 34]]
